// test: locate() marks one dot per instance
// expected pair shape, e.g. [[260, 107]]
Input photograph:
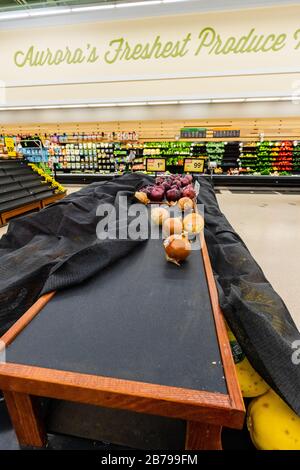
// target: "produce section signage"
[[223, 133], [192, 133], [10, 145], [195, 55], [193, 165], [215, 42], [155, 164]]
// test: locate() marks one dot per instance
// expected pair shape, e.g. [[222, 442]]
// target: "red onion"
[[157, 194], [159, 180], [189, 191], [185, 181], [166, 186], [173, 194]]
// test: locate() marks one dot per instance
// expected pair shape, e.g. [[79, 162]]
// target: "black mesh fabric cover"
[[58, 247], [256, 314]]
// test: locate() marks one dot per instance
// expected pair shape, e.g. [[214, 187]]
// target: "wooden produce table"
[[143, 335]]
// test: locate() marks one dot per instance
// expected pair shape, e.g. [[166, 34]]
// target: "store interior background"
[[251, 94]]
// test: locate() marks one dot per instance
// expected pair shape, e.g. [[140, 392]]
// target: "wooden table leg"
[[201, 436], [24, 414]]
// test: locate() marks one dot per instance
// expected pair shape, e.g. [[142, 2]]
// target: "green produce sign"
[[208, 42]]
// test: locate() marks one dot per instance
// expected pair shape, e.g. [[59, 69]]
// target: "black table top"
[[140, 319]]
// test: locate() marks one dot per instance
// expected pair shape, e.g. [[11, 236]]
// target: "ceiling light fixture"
[[153, 103], [14, 15], [138, 4], [173, 1], [137, 103], [101, 105], [194, 101], [49, 11], [92, 8], [228, 100], [266, 98], [147, 103]]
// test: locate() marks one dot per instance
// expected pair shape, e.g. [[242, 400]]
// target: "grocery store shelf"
[[22, 190]]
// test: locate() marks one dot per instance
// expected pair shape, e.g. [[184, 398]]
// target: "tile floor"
[[270, 226]]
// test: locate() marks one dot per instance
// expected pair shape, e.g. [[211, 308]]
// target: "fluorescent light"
[[153, 103], [49, 11], [16, 108], [71, 105], [288, 98], [138, 103], [14, 15], [228, 100], [93, 8], [101, 105], [266, 98], [56, 11], [194, 101], [138, 4], [45, 107], [173, 1]]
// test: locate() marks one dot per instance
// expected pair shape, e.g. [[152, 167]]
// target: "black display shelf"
[[21, 190]]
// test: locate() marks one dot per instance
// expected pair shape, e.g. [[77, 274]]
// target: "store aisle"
[[269, 224]]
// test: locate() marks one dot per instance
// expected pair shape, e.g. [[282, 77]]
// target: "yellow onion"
[[172, 225], [159, 215], [185, 203], [142, 197], [193, 223], [177, 248]]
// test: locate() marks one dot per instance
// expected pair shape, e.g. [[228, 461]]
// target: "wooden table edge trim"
[[212, 408], [26, 318], [233, 387]]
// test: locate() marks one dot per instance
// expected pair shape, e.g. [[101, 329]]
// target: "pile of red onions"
[[170, 188]]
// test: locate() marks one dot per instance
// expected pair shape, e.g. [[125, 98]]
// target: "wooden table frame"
[[205, 412]]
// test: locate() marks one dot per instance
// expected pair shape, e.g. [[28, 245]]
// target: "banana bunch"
[[48, 179]]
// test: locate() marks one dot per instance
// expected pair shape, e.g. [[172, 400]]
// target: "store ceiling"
[[19, 5], [14, 5]]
